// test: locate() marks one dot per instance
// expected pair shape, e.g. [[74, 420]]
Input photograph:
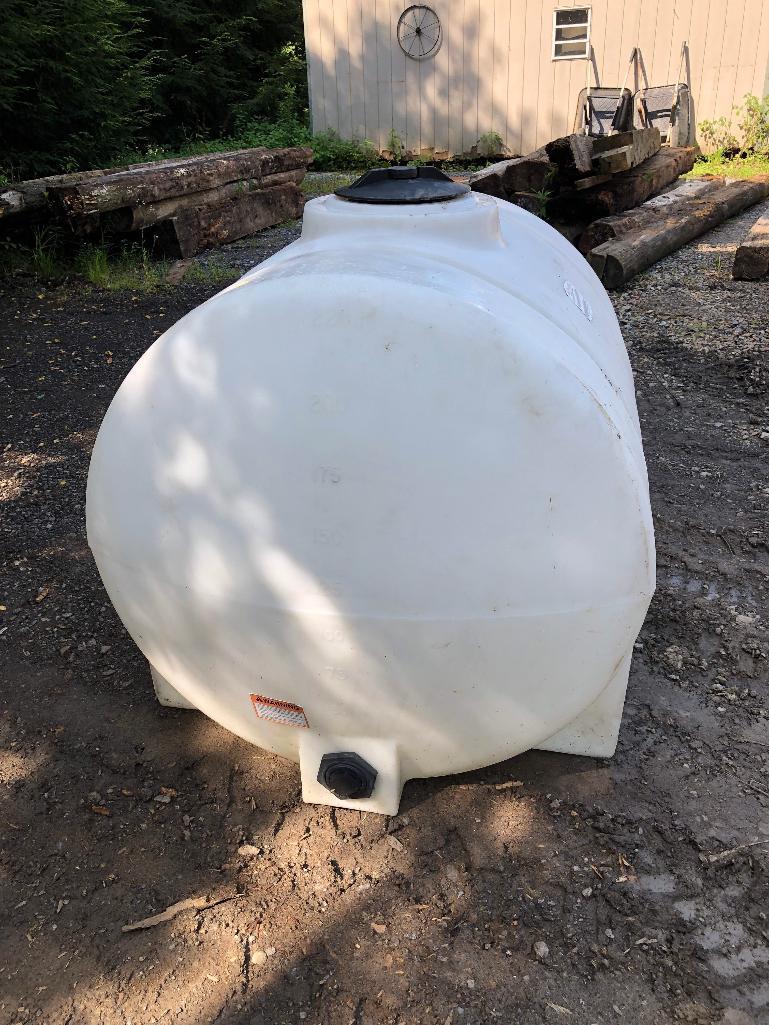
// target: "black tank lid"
[[403, 185]]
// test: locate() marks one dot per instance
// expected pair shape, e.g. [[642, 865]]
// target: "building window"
[[571, 33]]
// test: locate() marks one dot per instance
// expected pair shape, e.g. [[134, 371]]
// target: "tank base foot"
[[594, 733], [380, 755], [166, 694]]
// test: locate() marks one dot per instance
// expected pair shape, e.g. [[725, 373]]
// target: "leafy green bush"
[[717, 134], [288, 128], [754, 123], [490, 144]]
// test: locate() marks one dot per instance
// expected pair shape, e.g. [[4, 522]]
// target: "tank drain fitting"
[[347, 775]]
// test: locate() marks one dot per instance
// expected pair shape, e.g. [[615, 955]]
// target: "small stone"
[[269, 951], [248, 850], [178, 270], [471, 983], [395, 843], [259, 957], [541, 950], [588, 891], [162, 798]]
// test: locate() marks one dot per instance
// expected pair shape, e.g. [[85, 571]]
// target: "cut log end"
[[751, 261]]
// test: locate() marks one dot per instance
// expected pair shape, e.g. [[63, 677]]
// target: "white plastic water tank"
[[381, 506]]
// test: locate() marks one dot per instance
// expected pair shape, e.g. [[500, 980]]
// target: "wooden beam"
[[150, 184], [623, 191], [644, 143], [145, 215], [196, 229], [606, 143], [521, 174], [573, 154], [28, 198], [663, 205], [751, 260], [618, 261]]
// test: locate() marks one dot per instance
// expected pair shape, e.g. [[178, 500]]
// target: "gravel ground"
[[545, 889]]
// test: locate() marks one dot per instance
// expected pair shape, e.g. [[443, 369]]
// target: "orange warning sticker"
[[282, 712]]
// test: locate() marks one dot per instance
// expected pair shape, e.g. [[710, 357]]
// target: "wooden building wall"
[[494, 70]]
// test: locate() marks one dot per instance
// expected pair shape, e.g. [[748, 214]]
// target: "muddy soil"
[[545, 889]]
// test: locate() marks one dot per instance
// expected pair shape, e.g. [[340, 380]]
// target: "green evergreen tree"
[[85, 82], [75, 84], [219, 61]]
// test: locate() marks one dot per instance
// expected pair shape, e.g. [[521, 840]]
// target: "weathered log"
[[173, 178], [618, 261], [663, 205], [623, 191], [606, 143], [645, 142], [521, 174], [194, 230], [573, 154], [27, 198], [139, 217], [751, 260], [591, 180]]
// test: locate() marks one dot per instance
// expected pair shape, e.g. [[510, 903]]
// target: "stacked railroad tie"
[[183, 205], [619, 199]]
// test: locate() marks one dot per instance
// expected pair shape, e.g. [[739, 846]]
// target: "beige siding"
[[494, 70]]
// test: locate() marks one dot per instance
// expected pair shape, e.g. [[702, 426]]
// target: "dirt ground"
[[545, 889]]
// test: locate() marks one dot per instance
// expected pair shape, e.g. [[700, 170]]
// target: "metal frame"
[[556, 42], [436, 45]]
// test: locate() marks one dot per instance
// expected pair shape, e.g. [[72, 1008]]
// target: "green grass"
[[128, 268], [324, 185], [732, 167], [330, 151]]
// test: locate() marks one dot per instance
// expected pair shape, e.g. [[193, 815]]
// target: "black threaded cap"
[[347, 775]]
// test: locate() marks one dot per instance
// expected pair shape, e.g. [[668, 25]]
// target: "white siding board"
[[455, 41], [748, 51], [398, 60], [385, 30], [544, 108], [328, 58], [761, 79], [441, 94], [530, 79], [501, 67], [343, 76], [485, 68], [357, 80], [314, 64], [370, 63], [515, 76], [470, 80], [714, 39], [726, 69]]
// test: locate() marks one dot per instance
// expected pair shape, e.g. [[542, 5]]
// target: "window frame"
[[560, 42]]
